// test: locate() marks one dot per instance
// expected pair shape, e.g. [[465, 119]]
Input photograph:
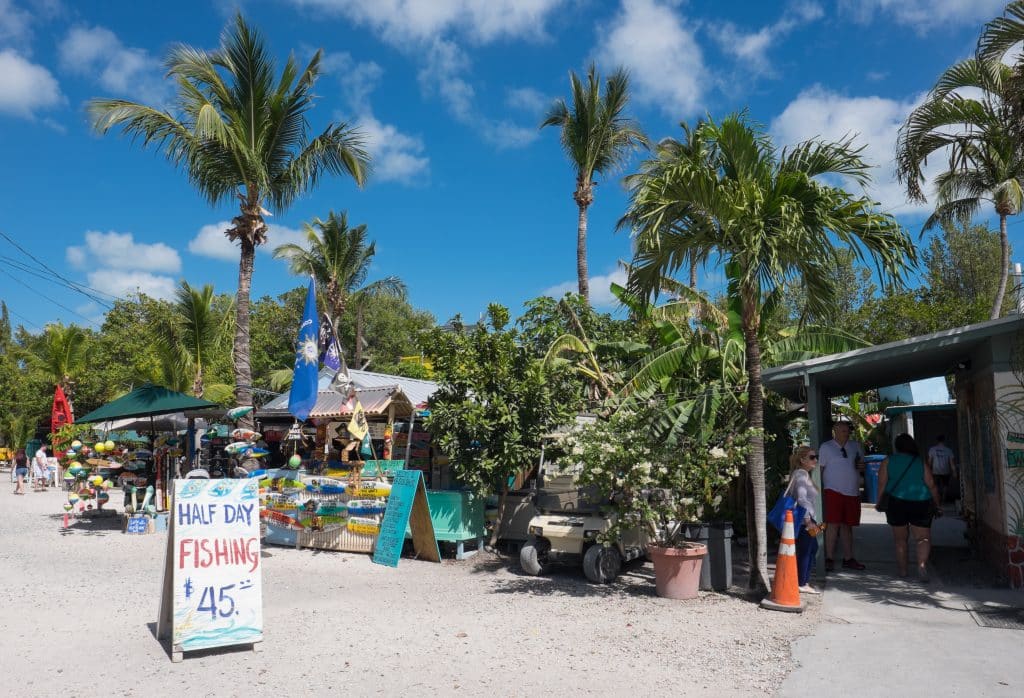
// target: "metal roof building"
[[986, 361]]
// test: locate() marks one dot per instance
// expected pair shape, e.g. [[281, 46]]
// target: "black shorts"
[[905, 511]]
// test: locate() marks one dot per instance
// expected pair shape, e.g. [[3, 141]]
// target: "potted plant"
[[657, 487]]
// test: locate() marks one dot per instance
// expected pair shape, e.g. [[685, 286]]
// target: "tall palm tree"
[[597, 137], [60, 353], [969, 118], [339, 258], [240, 131], [768, 213], [194, 334]]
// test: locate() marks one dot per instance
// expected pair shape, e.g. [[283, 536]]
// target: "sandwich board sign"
[[212, 592], [407, 508]]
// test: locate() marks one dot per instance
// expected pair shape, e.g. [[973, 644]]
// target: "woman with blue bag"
[[801, 495]]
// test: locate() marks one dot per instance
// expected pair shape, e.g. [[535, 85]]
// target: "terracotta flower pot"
[[677, 570]]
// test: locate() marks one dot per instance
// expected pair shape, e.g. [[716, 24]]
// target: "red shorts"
[[842, 508]]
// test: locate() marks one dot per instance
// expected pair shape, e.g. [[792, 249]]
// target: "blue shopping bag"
[[777, 515]]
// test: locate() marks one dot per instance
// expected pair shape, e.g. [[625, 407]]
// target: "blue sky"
[[470, 203]]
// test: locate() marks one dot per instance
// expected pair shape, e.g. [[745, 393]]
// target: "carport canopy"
[[925, 356]]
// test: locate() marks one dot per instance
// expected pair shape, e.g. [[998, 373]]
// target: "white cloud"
[[211, 241], [655, 42], [396, 156], [751, 48], [481, 21], [25, 87], [358, 79], [120, 283], [282, 235], [875, 121], [98, 54], [120, 251], [923, 15], [528, 99], [15, 24], [427, 31], [600, 288]]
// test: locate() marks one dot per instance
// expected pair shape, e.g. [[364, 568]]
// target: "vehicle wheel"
[[533, 556], [602, 564]]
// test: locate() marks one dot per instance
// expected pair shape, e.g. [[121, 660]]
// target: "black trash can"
[[716, 570]]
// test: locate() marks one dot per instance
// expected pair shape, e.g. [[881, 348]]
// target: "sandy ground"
[[79, 612]]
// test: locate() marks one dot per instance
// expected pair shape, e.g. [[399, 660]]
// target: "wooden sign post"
[[407, 508], [212, 593]]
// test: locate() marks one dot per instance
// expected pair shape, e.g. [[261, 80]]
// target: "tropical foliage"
[[968, 118], [649, 484], [240, 132], [339, 258], [494, 402], [598, 138], [772, 216]]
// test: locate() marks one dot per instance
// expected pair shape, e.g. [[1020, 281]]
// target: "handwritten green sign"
[[407, 508]]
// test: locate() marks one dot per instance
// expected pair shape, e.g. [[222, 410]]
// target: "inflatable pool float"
[[281, 520], [324, 485], [332, 510], [373, 489], [246, 435], [366, 507], [365, 526]]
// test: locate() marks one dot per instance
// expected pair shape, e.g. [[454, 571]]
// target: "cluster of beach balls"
[[93, 486]]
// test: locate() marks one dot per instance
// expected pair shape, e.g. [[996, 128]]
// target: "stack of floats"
[[339, 511]]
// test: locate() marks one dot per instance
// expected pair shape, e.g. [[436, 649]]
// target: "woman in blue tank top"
[[913, 501]]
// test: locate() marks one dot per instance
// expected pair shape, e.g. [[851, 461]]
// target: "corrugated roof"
[[375, 401], [418, 391]]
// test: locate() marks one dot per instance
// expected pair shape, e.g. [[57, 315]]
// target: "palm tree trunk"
[[693, 274], [197, 383], [243, 367], [581, 254], [997, 304], [357, 355], [756, 505]]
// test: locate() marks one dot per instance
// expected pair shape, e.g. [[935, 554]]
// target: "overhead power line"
[[57, 277]]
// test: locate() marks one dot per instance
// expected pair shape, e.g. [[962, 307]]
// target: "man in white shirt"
[[943, 465], [40, 467], [841, 462]]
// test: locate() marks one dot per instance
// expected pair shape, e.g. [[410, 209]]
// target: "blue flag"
[[307, 360]]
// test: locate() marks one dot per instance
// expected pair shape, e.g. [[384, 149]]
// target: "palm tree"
[[60, 353], [769, 214], [239, 131], [969, 118], [598, 138], [339, 258], [192, 337]]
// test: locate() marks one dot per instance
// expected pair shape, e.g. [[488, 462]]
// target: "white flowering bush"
[[650, 485]]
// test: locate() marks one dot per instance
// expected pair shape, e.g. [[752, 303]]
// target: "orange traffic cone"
[[785, 594]]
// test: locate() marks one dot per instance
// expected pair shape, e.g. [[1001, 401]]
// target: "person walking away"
[[942, 461], [20, 470], [913, 501], [801, 488], [39, 466], [841, 461]]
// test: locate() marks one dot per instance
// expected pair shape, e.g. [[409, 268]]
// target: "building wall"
[[991, 424]]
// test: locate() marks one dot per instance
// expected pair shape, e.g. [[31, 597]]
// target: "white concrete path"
[[884, 636]]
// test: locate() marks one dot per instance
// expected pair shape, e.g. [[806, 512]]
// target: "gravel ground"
[[81, 606]]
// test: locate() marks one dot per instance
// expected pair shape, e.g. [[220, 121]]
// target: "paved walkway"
[[884, 636]]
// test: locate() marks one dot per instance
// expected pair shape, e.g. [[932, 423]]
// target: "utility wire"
[[47, 298], [73, 285], [23, 318]]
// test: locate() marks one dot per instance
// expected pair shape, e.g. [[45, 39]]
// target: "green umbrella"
[[145, 401]]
